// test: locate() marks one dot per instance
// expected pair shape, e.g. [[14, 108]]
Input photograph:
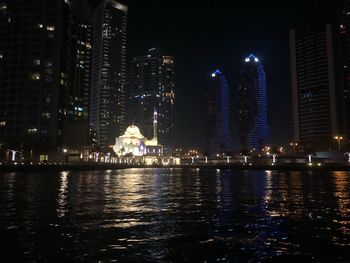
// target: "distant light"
[[251, 57], [216, 72]]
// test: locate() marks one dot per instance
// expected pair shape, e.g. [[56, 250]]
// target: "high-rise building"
[[318, 86], [218, 115], [107, 104], [252, 105], [344, 30], [44, 72], [31, 71], [151, 85], [74, 98]]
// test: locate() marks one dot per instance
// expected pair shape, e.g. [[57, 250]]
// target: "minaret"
[[155, 126]]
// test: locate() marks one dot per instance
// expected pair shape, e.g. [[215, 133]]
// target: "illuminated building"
[[344, 30], [252, 105], [317, 84], [36, 84], [133, 143], [218, 117], [107, 104], [151, 85], [74, 100]]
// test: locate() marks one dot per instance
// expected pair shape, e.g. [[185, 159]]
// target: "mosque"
[[133, 143]]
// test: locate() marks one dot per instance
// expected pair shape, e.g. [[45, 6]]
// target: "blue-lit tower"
[[252, 116], [218, 117]]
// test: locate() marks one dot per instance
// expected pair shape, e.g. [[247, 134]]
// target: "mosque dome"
[[133, 132]]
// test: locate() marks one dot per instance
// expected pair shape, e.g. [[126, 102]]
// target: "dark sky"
[[205, 35]]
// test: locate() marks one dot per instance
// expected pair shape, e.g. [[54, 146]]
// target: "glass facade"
[[218, 115], [30, 67], [317, 81], [252, 116], [107, 104], [151, 85]]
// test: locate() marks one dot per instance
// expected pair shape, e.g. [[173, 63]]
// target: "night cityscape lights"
[[76, 94], [167, 131]]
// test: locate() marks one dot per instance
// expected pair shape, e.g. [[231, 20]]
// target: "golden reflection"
[[130, 193], [283, 194], [296, 197], [341, 193], [62, 194], [268, 187]]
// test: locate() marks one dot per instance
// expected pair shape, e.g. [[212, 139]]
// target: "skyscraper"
[[107, 105], [75, 92], [31, 72], [151, 85], [344, 30], [44, 68], [318, 86], [218, 119], [252, 105]]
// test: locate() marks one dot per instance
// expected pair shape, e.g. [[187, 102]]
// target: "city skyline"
[[215, 35], [198, 46], [167, 131]]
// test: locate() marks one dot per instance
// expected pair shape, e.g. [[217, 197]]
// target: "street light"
[[274, 158], [65, 154], [245, 159], [339, 139]]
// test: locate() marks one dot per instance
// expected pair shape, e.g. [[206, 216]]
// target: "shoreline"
[[102, 166]]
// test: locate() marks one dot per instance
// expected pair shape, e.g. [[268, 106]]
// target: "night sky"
[[205, 35]]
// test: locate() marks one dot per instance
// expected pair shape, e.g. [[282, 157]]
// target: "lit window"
[[35, 76], [36, 62], [50, 28], [2, 123], [46, 115], [31, 131]]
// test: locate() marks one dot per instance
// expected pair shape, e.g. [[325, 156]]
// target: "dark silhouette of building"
[[75, 95], [318, 86], [218, 115], [44, 75], [151, 85], [344, 30], [252, 105], [107, 105]]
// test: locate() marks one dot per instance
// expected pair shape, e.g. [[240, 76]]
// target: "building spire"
[[155, 124]]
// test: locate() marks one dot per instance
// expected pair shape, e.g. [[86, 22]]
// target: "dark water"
[[159, 215]]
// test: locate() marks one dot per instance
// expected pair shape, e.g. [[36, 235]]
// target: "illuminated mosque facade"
[[133, 143]]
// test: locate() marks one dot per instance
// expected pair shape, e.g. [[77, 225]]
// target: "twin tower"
[[253, 128]]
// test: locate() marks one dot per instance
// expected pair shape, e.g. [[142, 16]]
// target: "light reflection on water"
[[175, 215]]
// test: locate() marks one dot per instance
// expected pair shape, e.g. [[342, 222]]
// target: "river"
[[175, 215]]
